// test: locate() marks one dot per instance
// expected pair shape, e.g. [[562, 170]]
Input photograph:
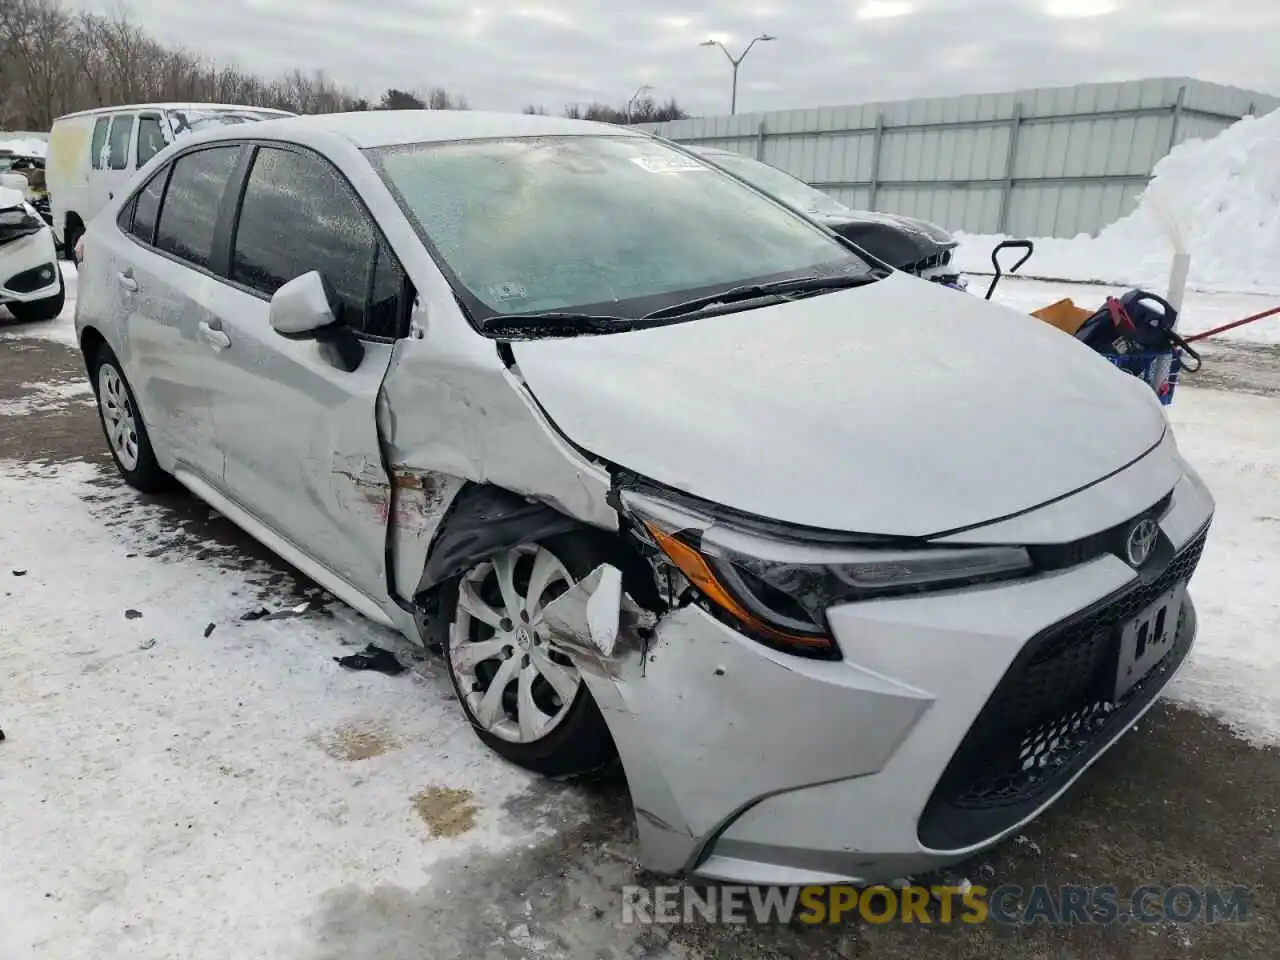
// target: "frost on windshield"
[[614, 223]]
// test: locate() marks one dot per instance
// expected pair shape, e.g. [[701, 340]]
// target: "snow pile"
[[1215, 199], [34, 148]]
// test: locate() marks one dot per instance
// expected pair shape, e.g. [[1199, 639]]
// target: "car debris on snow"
[[262, 613], [147, 644], [208, 631], [132, 614], [373, 657]]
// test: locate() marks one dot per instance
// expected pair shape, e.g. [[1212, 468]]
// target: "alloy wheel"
[[517, 685], [118, 416]]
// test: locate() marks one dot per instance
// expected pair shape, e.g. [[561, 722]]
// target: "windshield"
[[620, 225], [191, 121], [794, 193]]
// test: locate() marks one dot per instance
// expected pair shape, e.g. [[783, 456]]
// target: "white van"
[[94, 152]]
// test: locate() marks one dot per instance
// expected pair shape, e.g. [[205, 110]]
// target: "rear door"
[[299, 434], [164, 291]]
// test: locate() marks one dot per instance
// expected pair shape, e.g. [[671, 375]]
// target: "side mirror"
[[303, 309]]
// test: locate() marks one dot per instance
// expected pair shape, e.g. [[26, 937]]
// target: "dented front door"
[[301, 444]]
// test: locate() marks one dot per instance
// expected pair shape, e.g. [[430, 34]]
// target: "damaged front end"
[[18, 220], [711, 708]]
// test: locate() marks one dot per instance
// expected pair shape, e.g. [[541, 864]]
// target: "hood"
[[899, 408], [17, 220], [901, 242]]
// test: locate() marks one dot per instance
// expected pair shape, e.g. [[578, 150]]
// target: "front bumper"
[[22, 264], [953, 719]]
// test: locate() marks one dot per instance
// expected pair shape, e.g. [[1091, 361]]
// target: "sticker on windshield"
[[671, 164], [511, 290]]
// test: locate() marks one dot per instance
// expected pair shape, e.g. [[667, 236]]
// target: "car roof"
[[125, 107], [383, 128]]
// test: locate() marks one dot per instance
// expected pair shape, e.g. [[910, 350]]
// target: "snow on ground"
[[1233, 441], [47, 397], [171, 794], [167, 799], [1215, 199]]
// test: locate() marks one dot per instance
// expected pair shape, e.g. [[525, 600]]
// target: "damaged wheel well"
[[484, 519]]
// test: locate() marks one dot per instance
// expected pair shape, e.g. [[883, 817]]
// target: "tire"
[[576, 740], [34, 311], [122, 426], [70, 236]]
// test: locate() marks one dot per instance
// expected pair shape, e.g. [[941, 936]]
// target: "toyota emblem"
[[1141, 542]]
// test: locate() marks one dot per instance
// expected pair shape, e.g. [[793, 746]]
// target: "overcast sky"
[[503, 54]]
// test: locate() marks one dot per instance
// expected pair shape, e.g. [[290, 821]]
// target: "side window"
[[150, 139], [121, 137], [146, 207], [190, 210], [99, 142], [388, 297], [298, 215]]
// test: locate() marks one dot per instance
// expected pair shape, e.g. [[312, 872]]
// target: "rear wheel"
[[125, 432], [36, 310], [70, 237], [525, 699]]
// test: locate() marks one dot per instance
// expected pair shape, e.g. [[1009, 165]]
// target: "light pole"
[[643, 88], [733, 100]]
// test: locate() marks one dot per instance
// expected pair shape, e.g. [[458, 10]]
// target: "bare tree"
[[645, 110], [53, 61]]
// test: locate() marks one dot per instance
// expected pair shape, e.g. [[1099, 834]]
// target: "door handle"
[[127, 281], [214, 336]]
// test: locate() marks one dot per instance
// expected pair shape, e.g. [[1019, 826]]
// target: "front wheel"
[[525, 699]]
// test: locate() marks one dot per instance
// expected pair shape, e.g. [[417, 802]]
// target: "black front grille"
[[1059, 555], [1050, 714]]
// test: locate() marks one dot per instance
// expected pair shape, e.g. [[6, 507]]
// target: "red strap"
[[1119, 316]]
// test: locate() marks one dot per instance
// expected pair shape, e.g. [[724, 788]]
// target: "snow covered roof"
[[120, 108], [381, 128]]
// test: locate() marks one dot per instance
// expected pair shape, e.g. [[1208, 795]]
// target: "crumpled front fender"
[[707, 722]]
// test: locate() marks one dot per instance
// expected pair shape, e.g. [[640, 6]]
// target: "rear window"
[[119, 141], [97, 149], [146, 209], [190, 210], [150, 139]]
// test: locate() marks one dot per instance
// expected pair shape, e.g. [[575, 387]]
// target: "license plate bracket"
[[1146, 638]]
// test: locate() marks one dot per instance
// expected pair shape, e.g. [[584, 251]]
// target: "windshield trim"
[[477, 312]]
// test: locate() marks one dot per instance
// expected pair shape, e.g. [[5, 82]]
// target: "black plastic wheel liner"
[[482, 520]]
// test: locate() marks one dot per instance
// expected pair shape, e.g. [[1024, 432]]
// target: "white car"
[[662, 469], [31, 286]]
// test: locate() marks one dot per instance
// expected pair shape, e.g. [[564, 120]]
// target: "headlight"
[[778, 591]]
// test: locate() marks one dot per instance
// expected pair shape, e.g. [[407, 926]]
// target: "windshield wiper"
[[752, 291], [564, 324]]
